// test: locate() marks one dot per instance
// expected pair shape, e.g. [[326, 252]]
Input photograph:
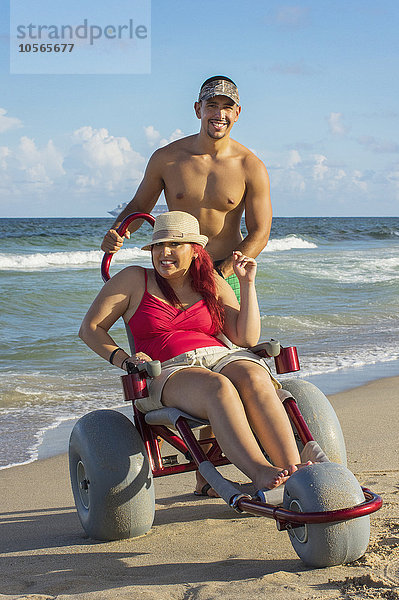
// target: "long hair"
[[202, 281]]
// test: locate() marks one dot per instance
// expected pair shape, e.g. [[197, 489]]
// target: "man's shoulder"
[[250, 161], [180, 146], [242, 151]]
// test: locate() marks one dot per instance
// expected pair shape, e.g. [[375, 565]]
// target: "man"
[[215, 179], [211, 176]]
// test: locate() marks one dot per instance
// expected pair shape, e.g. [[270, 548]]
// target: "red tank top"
[[163, 331]]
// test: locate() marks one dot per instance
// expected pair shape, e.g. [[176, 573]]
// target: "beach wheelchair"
[[113, 461]]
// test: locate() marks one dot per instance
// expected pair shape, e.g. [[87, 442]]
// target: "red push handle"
[[122, 230]]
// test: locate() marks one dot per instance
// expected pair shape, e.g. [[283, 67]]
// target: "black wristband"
[[111, 358], [123, 362]]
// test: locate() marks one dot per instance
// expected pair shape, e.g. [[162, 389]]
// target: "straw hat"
[[176, 226]]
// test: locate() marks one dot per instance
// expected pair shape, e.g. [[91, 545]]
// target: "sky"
[[319, 89]]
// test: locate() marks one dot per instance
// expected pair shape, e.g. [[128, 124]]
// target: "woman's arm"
[[122, 292], [242, 322]]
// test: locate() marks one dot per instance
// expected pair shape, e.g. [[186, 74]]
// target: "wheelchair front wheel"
[[318, 488], [110, 476]]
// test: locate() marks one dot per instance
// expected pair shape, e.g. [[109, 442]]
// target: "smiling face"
[[217, 115], [172, 259]]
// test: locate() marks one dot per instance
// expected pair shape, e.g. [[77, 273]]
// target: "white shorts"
[[214, 358]]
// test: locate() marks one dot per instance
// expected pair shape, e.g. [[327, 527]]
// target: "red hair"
[[202, 281]]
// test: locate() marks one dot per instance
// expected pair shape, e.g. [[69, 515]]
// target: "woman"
[[177, 312]]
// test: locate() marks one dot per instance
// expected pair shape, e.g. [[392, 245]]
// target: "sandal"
[[204, 491]]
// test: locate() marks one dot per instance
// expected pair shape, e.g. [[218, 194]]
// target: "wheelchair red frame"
[[191, 448]]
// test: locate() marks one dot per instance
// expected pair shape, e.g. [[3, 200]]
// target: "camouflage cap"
[[219, 86]]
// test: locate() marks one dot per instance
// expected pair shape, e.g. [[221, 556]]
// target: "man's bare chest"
[[221, 186]]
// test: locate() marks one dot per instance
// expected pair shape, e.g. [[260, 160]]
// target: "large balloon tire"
[[320, 417], [318, 488], [111, 477]]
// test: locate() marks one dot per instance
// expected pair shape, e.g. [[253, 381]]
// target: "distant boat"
[[159, 208], [116, 211]]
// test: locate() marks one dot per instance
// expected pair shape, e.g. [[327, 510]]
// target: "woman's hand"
[[242, 321], [136, 359], [141, 356], [244, 267]]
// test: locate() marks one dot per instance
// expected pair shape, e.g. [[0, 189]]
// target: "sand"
[[198, 549]]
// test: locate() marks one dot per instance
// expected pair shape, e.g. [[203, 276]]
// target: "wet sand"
[[198, 548]]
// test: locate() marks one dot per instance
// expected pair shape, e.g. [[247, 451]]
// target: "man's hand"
[[113, 242]]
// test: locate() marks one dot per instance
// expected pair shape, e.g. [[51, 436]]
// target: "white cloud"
[[29, 166], [101, 160], [320, 168], [29, 178], [175, 135], [155, 140], [152, 135], [294, 180], [318, 186], [87, 175], [7, 123], [39, 165], [336, 124], [359, 180], [307, 179]]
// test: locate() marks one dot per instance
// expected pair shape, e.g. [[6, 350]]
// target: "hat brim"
[[190, 239], [210, 95]]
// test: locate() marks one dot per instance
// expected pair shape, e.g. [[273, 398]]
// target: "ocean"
[[329, 286]]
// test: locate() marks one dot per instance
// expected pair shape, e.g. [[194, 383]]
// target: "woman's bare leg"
[[265, 411], [212, 396]]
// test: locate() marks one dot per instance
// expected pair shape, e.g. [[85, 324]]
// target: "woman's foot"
[[272, 477], [280, 478], [202, 489]]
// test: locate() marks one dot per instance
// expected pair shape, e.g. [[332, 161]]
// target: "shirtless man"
[[215, 179], [211, 176]]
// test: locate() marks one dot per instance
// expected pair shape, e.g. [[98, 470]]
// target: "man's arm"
[[258, 213], [144, 200]]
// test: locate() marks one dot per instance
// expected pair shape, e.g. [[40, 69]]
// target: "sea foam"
[[51, 260], [328, 363], [92, 258], [289, 242]]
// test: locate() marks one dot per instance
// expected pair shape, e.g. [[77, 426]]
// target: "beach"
[[199, 548]]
